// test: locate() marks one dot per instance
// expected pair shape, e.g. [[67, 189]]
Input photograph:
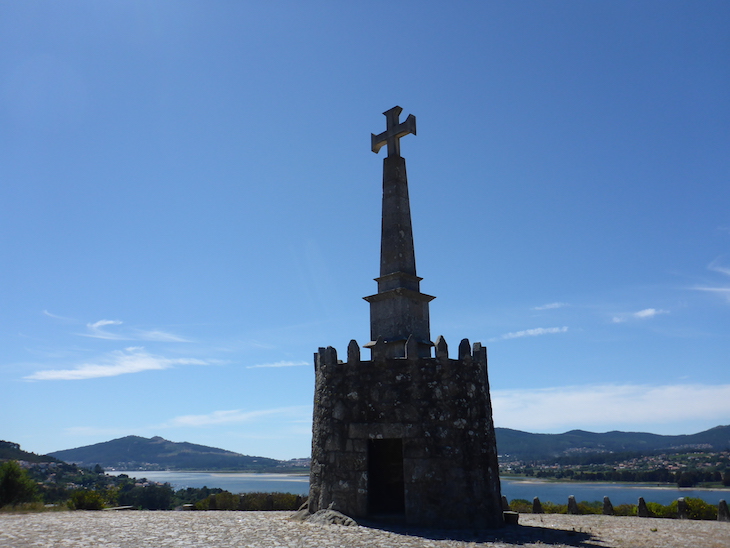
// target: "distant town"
[[686, 469]]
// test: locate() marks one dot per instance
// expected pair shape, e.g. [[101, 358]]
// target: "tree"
[[151, 497], [686, 478], [15, 485], [86, 500]]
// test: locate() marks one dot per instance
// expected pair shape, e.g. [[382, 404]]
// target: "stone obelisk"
[[398, 310]]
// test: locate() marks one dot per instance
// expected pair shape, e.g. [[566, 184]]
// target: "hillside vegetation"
[[12, 451], [517, 445]]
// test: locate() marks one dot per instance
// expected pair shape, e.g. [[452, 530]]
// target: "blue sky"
[[189, 208]]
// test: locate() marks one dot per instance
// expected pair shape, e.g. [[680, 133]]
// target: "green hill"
[[12, 451], [137, 453], [518, 445]]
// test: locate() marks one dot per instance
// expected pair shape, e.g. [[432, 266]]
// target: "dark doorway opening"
[[386, 487]]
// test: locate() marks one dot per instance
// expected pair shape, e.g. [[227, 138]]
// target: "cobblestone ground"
[[274, 530]]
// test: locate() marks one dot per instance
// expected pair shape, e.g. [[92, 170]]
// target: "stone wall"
[[439, 408]]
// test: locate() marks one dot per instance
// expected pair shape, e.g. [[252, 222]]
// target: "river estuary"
[[620, 493]]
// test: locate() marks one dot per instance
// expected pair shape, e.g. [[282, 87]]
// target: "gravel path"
[[274, 530]]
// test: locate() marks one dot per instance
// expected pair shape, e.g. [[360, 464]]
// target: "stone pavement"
[[133, 529]]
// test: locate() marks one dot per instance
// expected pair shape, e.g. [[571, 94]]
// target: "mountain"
[[12, 451], [137, 453], [517, 445]]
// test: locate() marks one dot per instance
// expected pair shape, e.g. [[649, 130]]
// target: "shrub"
[[521, 505], [594, 507], [625, 510], [699, 509], [660, 511], [224, 501], [696, 509], [250, 502], [86, 500], [552, 508], [150, 497]]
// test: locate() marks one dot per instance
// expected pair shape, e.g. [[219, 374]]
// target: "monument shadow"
[[509, 534]]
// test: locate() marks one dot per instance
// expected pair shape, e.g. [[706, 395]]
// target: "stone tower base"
[[410, 439]]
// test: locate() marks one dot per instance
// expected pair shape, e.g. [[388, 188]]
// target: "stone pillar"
[[722, 511], [537, 506], [607, 507], [642, 511], [573, 505], [505, 504], [682, 508]]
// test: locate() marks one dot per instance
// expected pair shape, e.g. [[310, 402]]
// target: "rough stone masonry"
[[408, 435]]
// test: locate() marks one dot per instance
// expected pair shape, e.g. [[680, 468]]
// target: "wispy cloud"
[[721, 290], [277, 364], [640, 315], [715, 266], [56, 317], [648, 313], [531, 333], [158, 336], [96, 330], [550, 306], [119, 362], [552, 409], [235, 416]]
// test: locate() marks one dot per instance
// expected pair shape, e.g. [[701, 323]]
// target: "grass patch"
[[32, 508]]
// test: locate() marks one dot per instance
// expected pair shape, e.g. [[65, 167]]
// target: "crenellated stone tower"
[[406, 435]]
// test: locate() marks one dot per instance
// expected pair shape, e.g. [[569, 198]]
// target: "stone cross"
[[391, 136]]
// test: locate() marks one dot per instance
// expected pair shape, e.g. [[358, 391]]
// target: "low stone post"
[[722, 512], [642, 511], [682, 508], [505, 504], [607, 507], [572, 505], [537, 506]]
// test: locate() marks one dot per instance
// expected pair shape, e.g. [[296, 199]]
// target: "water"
[[619, 493], [235, 482]]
